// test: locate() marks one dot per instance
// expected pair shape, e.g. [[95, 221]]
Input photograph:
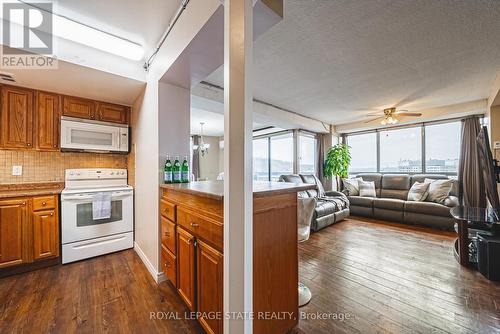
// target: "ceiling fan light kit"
[[390, 116]]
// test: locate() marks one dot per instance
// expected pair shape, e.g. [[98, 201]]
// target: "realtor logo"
[[27, 36]]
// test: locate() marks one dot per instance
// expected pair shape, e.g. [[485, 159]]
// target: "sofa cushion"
[[361, 201], [294, 178], [422, 177], [375, 177], [395, 182], [392, 193], [418, 192], [308, 178], [325, 208], [438, 190], [427, 208], [352, 186], [389, 204], [367, 189]]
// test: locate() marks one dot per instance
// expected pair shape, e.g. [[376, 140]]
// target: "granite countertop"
[[30, 189], [215, 189]]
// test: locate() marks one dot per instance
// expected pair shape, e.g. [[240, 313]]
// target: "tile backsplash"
[[50, 166]]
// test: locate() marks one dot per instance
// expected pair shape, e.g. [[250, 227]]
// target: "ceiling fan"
[[391, 115]]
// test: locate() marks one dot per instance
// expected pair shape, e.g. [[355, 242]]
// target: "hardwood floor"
[[382, 277], [113, 293], [393, 278]]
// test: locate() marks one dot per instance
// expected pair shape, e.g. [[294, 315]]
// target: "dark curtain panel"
[[196, 158], [320, 154], [470, 175]]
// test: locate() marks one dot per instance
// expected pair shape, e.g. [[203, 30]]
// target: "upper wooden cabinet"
[[17, 117], [78, 107], [13, 232], [108, 112], [47, 120]]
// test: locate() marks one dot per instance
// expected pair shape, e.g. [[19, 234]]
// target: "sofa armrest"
[[451, 201], [334, 193]]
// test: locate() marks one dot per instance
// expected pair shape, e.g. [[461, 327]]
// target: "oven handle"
[[89, 197]]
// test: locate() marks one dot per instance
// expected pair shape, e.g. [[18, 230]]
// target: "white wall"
[[146, 130], [209, 164]]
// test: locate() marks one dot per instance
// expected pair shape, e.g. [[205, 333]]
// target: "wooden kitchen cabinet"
[[14, 221], [185, 267], [29, 233], [45, 234], [209, 268], [17, 117], [115, 113], [47, 121], [78, 107]]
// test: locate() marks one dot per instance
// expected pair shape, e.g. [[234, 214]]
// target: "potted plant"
[[337, 162]]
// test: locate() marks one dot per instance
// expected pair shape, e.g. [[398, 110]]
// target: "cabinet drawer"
[[207, 229], [44, 203], [167, 210], [168, 264], [168, 234]]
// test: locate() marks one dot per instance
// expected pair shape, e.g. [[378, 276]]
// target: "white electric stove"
[[82, 235]]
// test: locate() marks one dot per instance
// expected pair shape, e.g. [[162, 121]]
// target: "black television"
[[489, 167]]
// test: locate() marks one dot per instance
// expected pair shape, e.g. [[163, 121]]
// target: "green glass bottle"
[[176, 170], [167, 171], [185, 170]]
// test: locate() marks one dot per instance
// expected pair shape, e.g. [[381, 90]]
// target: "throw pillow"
[[438, 190], [418, 191], [351, 185], [367, 189]]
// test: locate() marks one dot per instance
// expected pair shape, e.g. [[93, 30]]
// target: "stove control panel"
[[95, 174]]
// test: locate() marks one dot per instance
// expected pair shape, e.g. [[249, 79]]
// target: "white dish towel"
[[101, 206]]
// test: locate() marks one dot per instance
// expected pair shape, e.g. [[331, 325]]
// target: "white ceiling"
[[140, 21], [338, 60]]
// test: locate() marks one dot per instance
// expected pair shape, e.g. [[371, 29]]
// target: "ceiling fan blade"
[[374, 114], [411, 114], [374, 119]]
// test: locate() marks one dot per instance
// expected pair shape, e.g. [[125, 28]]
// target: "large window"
[[442, 149], [363, 153], [261, 159], [401, 150], [282, 156], [307, 154]]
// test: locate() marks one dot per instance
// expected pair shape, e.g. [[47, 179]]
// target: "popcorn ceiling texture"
[[50, 166]]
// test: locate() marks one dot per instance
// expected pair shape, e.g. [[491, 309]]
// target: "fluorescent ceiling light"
[[89, 36]]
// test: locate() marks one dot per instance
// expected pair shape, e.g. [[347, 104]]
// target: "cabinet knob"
[[167, 234], [55, 146], [24, 203], [29, 144], [194, 225], [44, 203], [52, 213], [167, 264]]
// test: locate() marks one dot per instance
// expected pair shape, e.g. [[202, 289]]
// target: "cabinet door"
[[185, 267], [108, 112], [47, 116], [77, 107], [45, 234], [13, 232], [168, 234], [17, 117], [209, 270]]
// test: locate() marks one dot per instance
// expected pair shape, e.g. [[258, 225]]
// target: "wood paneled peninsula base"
[[192, 224]]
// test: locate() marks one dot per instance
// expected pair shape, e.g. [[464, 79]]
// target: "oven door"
[[78, 223]]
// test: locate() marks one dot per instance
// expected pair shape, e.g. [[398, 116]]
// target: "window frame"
[[296, 133], [422, 127]]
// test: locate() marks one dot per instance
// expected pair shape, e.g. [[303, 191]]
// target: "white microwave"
[[93, 136]]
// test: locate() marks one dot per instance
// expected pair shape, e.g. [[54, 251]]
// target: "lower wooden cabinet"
[[28, 232], [209, 268], [185, 267], [45, 235], [14, 220]]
